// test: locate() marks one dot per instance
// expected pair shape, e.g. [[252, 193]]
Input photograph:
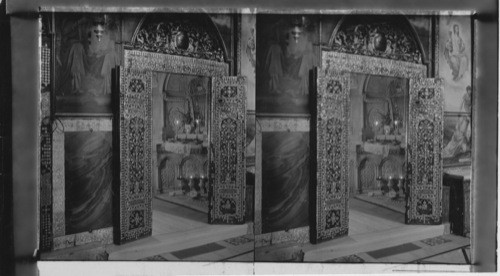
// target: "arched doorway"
[[379, 52]]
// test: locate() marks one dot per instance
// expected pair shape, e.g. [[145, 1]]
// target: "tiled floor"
[[371, 228], [376, 234], [175, 228]]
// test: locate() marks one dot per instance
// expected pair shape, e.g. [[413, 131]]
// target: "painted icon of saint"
[[461, 139], [455, 54], [289, 61], [90, 61]]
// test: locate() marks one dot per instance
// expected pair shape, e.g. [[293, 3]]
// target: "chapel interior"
[[255, 137], [182, 110]]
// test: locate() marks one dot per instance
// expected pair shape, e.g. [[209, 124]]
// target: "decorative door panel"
[[135, 163], [227, 151], [425, 141], [330, 194]]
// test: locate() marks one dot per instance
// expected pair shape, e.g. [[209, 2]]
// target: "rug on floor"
[[239, 240], [435, 241], [393, 250], [347, 259], [198, 250], [153, 258]]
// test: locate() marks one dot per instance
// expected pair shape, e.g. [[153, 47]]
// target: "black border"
[[25, 99]]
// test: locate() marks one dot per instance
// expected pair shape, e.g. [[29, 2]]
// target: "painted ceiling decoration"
[[378, 36], [192, 36]]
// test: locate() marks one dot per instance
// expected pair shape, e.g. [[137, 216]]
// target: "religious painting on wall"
[[282, 180], [88, 173], [86, 50], [457, 141], [285, 180], [250, 163], [248, 61], [287, 51], [82, 181], [454, 61]]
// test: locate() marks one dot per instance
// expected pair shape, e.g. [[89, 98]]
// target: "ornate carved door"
[[330, 122], [227, 151], [133, 216], [425, 141]]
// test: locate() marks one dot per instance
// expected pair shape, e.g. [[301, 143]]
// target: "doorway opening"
[[379, 116]]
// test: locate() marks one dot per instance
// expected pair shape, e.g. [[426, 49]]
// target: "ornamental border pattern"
[[332, 176], [227, 159], [333, 104], [135, 120], [425, 142], [334, 61], [135, 219], [146, 61]]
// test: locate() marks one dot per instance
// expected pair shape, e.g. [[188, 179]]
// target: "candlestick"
[[177, 123], [197, 121], [401, 191]]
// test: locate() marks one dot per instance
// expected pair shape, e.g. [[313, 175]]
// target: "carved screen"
[[425, 140], [330, 215], [135, 213], [227, 159]]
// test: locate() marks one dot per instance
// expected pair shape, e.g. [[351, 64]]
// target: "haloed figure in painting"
[[85, 56], [90, 62], [289, 62]]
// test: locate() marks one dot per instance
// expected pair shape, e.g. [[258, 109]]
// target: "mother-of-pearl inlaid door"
[[331, 123]]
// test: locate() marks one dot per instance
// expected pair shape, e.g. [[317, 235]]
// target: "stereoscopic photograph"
[[253, 136]]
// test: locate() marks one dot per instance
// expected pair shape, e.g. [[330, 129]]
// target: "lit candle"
[[176, 122], [197, 127]]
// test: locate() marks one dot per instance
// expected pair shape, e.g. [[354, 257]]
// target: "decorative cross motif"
[[426, 93], [228, 206], [136, 85], [424, 207], [229, 91], [333, 87], [332, 219], [136, 219]]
